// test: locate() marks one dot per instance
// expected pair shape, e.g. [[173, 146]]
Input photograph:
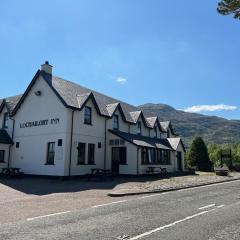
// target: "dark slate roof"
[[151, 121], [4, 137], [70, 91], [111, 108], [75, 96], [165, 125], [143, 141], [10, 102]]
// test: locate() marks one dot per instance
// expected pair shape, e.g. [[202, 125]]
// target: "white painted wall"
[[85, 133], [31, 155], [131, 166]]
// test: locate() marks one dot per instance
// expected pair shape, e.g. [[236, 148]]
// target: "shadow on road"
[[46, 185]]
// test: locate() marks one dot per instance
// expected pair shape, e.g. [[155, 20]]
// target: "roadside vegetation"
[[201, 157]]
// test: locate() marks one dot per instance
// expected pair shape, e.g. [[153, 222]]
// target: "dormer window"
[[87, 115], [155, 132], [5, 120], [139, 128], [115, 122]]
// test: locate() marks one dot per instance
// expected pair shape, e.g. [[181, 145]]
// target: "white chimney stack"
[[46, 67]]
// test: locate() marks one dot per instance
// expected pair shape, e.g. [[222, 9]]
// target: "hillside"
[[187, 125]]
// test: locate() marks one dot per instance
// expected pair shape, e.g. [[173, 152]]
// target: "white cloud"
[[210, 108], [121, 80]]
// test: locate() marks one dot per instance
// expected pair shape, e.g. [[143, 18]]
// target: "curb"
[[112, 194]]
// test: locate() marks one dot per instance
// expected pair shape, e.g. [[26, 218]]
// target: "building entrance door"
[[115, 159], [179, 161]]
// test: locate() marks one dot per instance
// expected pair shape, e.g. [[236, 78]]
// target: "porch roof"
[[4, 137], [142, 141]]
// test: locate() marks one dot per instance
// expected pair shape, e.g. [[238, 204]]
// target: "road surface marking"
[[111, 203], [49, 215], [174, 223], [167, 226], [154, 195], [207, 206]]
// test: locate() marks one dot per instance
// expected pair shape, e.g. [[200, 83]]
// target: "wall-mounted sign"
[[52, 121]]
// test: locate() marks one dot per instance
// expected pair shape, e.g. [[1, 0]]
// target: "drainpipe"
[[71, 141], [105, 145], [9, 149]]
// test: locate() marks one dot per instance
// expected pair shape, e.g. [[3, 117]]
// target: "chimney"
[[46, 67]]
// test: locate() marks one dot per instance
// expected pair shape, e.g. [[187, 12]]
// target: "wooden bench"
[[221, 172], [157, 170]]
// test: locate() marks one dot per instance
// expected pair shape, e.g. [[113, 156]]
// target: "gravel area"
[[172, 183]]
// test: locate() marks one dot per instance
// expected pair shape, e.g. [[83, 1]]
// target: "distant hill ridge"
[[211, 128]]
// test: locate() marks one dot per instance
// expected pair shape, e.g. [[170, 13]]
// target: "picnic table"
[[11, 172], [100, 173], [162, 171]]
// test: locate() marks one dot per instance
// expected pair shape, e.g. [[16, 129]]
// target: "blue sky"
[[181, 53]]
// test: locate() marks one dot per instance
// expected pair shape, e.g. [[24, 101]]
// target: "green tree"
[[197, 155], [214, 151], [227, 7]]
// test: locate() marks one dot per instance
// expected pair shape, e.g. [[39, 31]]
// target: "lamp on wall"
[[38, 93]]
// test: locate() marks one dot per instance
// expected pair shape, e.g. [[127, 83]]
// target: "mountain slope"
[[187, 125]]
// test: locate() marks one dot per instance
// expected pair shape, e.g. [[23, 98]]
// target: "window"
[[59, 142], [50, 153], [115, 122], [87, 115], [155, 156], [91, 150], [81, 153], [144, 156], [99, 145], [2, 154], [152, 158], [166, 157], [155, 132], [158, 156], [5, 120], [139, 128], [17, 144]]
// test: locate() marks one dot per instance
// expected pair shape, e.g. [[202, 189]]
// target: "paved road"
[[211, 212]]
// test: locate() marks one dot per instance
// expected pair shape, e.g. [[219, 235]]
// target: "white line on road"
[[49, 215], [154, 195], [167, 226], [221, 206], [111, 203], [207, 206]]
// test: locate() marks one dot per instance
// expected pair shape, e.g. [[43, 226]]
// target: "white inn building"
[[59, 128]]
